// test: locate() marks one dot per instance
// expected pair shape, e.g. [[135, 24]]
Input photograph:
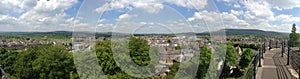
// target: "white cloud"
[[260, 9], [284, 4], [234, 12], [27, 4], [282, 18], [236, 6], [9, 6], [205, 15], [151, 6], [277, 4], [125, 17], [198, 4], [42, 15]]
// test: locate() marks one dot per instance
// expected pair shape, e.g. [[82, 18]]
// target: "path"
[[274, 66]]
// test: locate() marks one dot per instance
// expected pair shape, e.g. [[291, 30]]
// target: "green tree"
[[139, 51], [293, 37], [205, 57], [231, 56], [44, 62], [174, 69], [231, 59], [7, 60], [246, 58], [105, 57]]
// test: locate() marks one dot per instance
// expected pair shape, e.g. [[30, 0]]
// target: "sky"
[[148, 16]]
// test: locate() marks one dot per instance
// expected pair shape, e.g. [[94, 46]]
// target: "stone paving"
[[274, 66]]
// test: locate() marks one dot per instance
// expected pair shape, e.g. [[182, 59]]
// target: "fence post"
[[298, 71], [259, 57], [270, 44], [282, 49], [262, 51], [276, 43], [254, 69], [288, 57]]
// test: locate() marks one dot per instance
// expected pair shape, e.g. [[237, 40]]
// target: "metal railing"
[[250, 72], [3, 72], [295, 59]]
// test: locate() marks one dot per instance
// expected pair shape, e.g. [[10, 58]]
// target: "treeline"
[[54, 62], [46, 62]]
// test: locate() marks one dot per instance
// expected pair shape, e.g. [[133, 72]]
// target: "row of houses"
[[26, 43]]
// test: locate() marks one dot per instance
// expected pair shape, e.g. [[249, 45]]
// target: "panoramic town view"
[[149, 39]]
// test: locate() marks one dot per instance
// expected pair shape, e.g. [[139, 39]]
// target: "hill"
[[253, 32], [68, 34]]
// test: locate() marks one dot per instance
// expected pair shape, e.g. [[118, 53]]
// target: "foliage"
[[105, 57], [231, 56], [139, 51], [7, 60], [231, 59], [178, 47], [174, 69], [205, 57], [44, 62], [251, 46], [246, 58], [294, 37], [225, 72]]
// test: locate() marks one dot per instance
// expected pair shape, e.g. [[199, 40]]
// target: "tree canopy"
[[46, 62], [294, 37]]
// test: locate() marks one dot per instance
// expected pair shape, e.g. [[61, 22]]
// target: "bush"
[[246, 58]]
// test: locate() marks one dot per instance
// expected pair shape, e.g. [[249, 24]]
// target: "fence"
[[250, 72], [295, 59]]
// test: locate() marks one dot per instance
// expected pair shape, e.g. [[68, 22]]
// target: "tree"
[[46, 62], [231, 59], [7, 60], [246, 58], [293, 37], [139, 51], [105, 57], [231, 56], [205, 57]]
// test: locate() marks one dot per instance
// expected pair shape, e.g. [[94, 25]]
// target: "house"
[[238, 49]]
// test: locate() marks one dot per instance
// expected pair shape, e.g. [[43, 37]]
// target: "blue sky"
[[125, 15]]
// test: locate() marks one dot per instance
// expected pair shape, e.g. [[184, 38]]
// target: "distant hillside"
[[38, 35], [253, 32], [68, 34]]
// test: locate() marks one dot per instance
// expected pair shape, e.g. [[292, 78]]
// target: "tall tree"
[[105, 58], [7, 59], [44, 62], [231, 59], [205, 57], [246, 58], [293, 37], [139, 51]]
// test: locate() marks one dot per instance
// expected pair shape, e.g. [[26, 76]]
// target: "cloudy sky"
[[146, 16]]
